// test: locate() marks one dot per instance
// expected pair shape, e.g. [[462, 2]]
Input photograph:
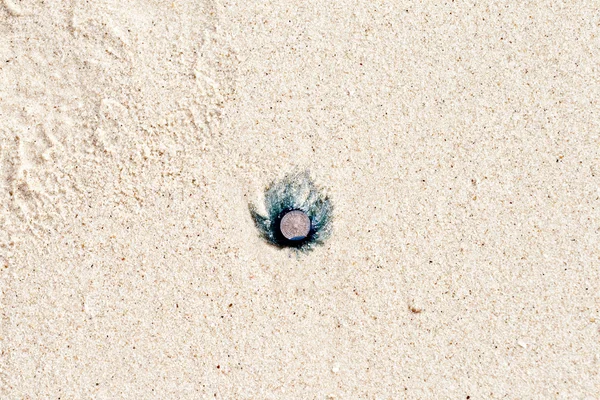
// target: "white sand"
[[459, 142]]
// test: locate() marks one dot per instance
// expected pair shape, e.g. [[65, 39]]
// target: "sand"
[[459, 143]]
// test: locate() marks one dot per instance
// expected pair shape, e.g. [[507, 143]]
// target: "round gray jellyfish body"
[[295, 225]]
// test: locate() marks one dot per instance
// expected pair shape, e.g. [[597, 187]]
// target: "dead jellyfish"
[[298, 214]]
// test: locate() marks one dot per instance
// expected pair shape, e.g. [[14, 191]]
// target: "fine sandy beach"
[[458, 141]]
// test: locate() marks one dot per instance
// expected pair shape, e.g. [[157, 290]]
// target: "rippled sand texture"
[[458, 142]]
